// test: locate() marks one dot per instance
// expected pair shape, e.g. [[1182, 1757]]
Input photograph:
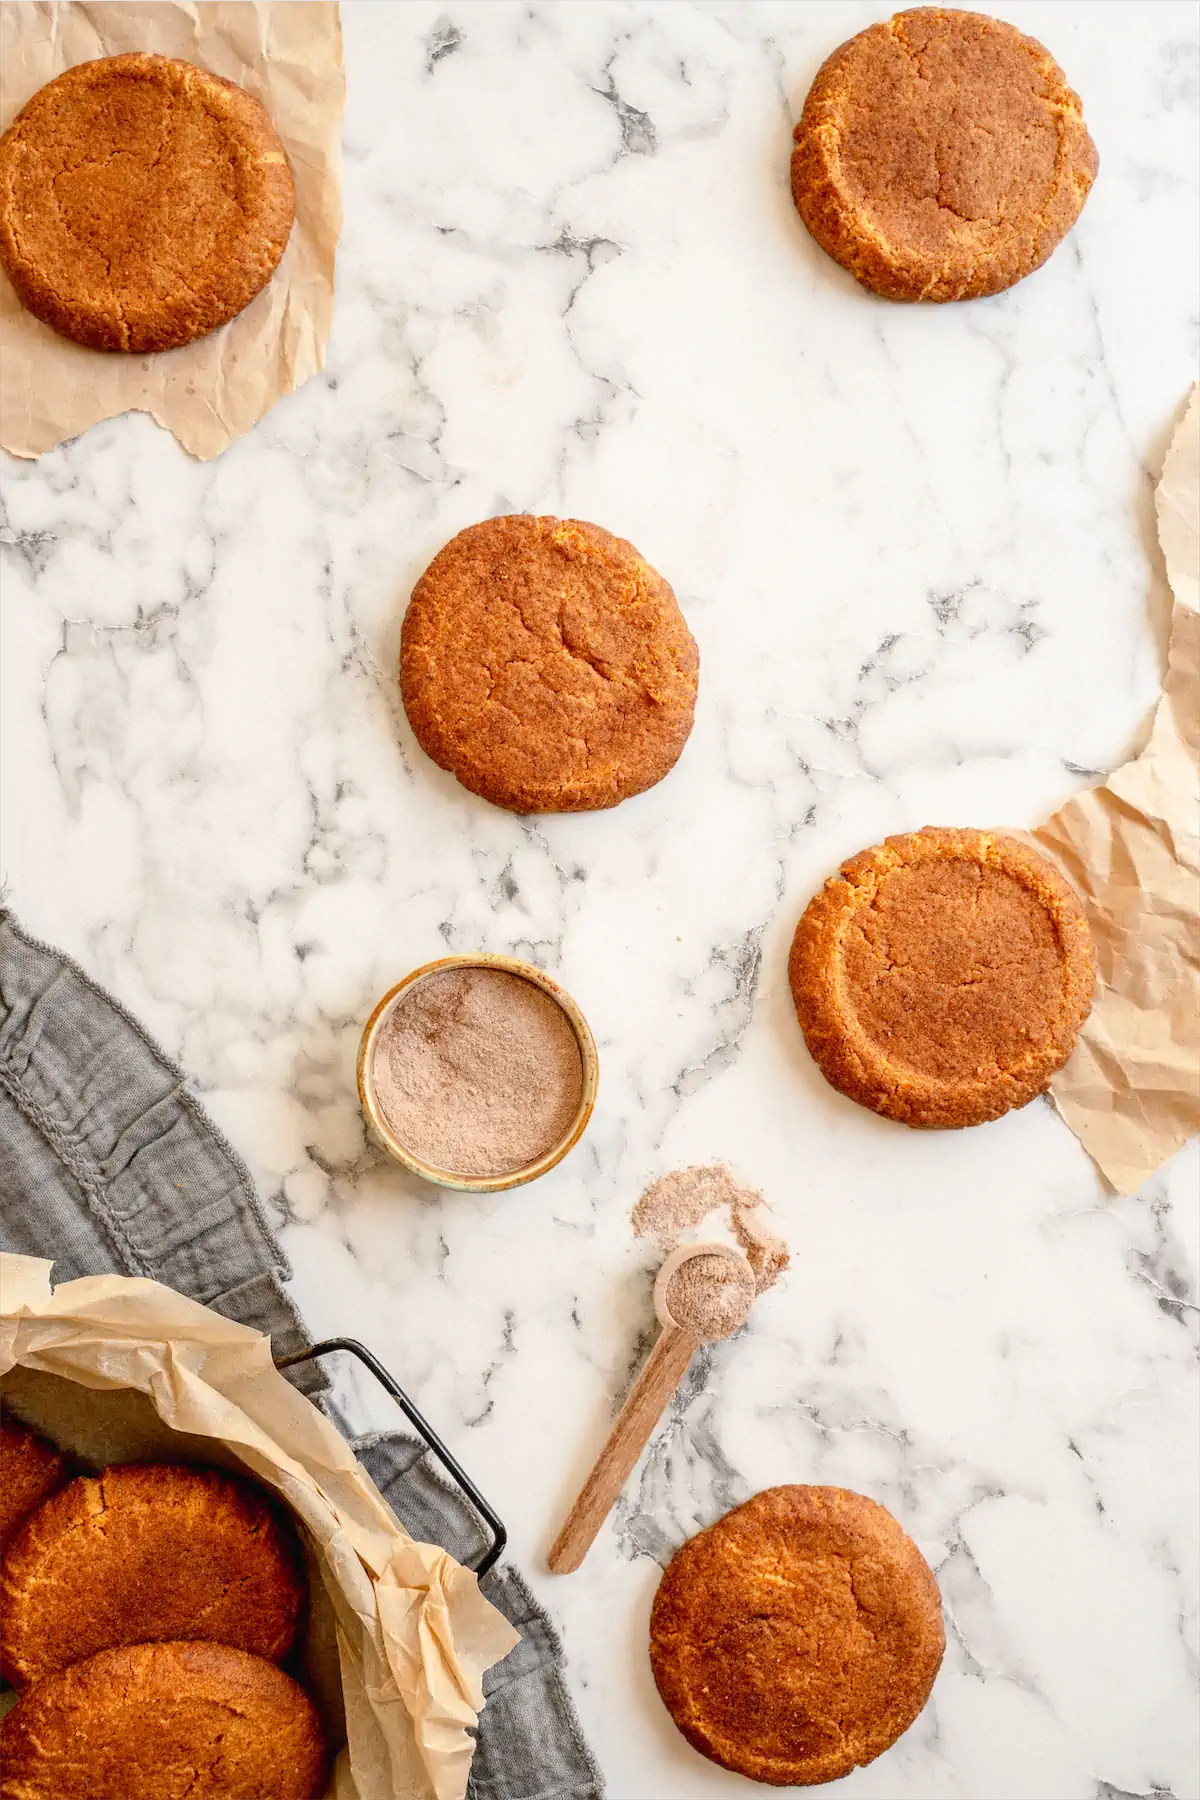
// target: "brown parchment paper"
[[414, 1634], [1131, 1090], [289, 54]]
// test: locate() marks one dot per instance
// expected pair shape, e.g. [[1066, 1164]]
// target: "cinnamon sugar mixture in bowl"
[[477, 1072]]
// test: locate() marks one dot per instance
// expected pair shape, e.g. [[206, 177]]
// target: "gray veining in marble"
[[916, 547]]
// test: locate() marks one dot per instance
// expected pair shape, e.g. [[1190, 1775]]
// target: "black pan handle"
[[495, 1525]]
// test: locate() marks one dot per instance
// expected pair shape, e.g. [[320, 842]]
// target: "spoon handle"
[[657, 1380]]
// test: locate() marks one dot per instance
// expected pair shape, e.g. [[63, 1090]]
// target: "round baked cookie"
[[941, 978], [798, 1637], [30, 1470], [145, 1552], [160, 1722], [143, 202], [941, 156], [547, 666]]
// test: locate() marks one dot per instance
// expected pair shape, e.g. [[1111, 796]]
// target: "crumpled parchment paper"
[[289, 54], [414, 1634], [1131, 848]]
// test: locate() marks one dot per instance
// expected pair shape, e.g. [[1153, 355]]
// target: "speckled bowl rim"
[[479, 1184]]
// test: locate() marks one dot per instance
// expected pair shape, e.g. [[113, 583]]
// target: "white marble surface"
[[916, 548]]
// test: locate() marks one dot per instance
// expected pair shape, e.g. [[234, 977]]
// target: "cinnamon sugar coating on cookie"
[[144, 1721], [143, 202], [30, 1470], [941, 978], [545, 664], [149, 1551], [798, 1637], [941, 156]]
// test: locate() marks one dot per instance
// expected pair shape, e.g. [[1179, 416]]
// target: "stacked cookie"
[[151, 1591]]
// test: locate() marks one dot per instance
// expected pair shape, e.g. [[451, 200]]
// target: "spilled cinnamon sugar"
[[686, 1198]]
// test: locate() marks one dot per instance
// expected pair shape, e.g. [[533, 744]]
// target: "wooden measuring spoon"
[[683, 1331]]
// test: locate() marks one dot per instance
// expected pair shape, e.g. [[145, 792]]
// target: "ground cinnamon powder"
[[477, 1071]]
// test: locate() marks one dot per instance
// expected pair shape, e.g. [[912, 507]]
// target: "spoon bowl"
[[738, 1276]]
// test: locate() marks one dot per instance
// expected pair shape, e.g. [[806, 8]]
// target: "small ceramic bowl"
[[478, 1184]]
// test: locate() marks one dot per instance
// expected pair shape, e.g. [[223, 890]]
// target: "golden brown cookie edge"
[[43, 1469], [439, 745], [847, 1059], [248, 1505], [93, 327], [806, 1500], [849, 239], [161, 1666]]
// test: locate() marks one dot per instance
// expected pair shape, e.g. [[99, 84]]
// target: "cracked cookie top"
[[941, 156], [547, 666], [941, 978], [143, 202], [147, 1720], [148, 1551], [798, 1637]]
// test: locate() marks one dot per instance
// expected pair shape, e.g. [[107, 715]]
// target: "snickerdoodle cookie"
[[941, 978], [941, 156], [30, 1470], [798, 1637], [145, 1552], [547, 666], [143, 202], [145, 1721]]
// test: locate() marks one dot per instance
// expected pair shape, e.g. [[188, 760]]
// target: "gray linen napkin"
[[108, 1162]]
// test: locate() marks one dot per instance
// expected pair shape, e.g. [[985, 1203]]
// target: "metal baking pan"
[[495, 1526]]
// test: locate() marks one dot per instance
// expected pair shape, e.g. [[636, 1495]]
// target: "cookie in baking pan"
[[144, 1721], [30, 1470], [145, 1552]]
